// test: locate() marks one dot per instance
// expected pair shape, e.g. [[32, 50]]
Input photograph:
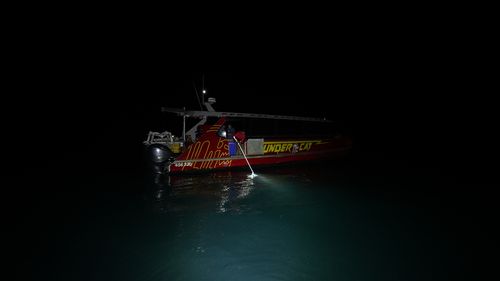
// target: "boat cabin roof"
[[194, 113]]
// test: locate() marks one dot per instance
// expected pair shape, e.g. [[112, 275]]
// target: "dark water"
[[312, 222]]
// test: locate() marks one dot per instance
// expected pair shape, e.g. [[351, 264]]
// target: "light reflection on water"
[[225, 190], [228, 226]]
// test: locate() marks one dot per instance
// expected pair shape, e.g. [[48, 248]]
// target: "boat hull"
[[330, 150]]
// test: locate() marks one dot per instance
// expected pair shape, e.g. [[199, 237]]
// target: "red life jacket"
[[240, 136]]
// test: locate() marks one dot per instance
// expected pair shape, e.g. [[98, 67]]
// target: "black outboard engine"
[[160, 155]]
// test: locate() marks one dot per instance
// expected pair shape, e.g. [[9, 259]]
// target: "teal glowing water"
[[312, 223]]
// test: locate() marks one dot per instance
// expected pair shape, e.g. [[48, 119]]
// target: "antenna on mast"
[[197, 96], [204, 91]]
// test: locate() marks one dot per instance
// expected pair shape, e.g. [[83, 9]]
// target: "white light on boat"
[[204, 91]]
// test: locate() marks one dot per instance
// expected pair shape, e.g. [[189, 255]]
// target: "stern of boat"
[[161, 150]]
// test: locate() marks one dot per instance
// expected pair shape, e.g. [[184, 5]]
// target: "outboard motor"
[[160, 155]]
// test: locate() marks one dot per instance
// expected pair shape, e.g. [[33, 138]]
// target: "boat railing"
[[157, 137], [165, 138]]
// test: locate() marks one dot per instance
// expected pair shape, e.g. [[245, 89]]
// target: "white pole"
[[253, 174]]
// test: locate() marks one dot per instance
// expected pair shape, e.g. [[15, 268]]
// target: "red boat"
[[221, 144]]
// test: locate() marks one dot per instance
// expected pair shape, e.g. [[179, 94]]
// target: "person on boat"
[[230, 131]]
